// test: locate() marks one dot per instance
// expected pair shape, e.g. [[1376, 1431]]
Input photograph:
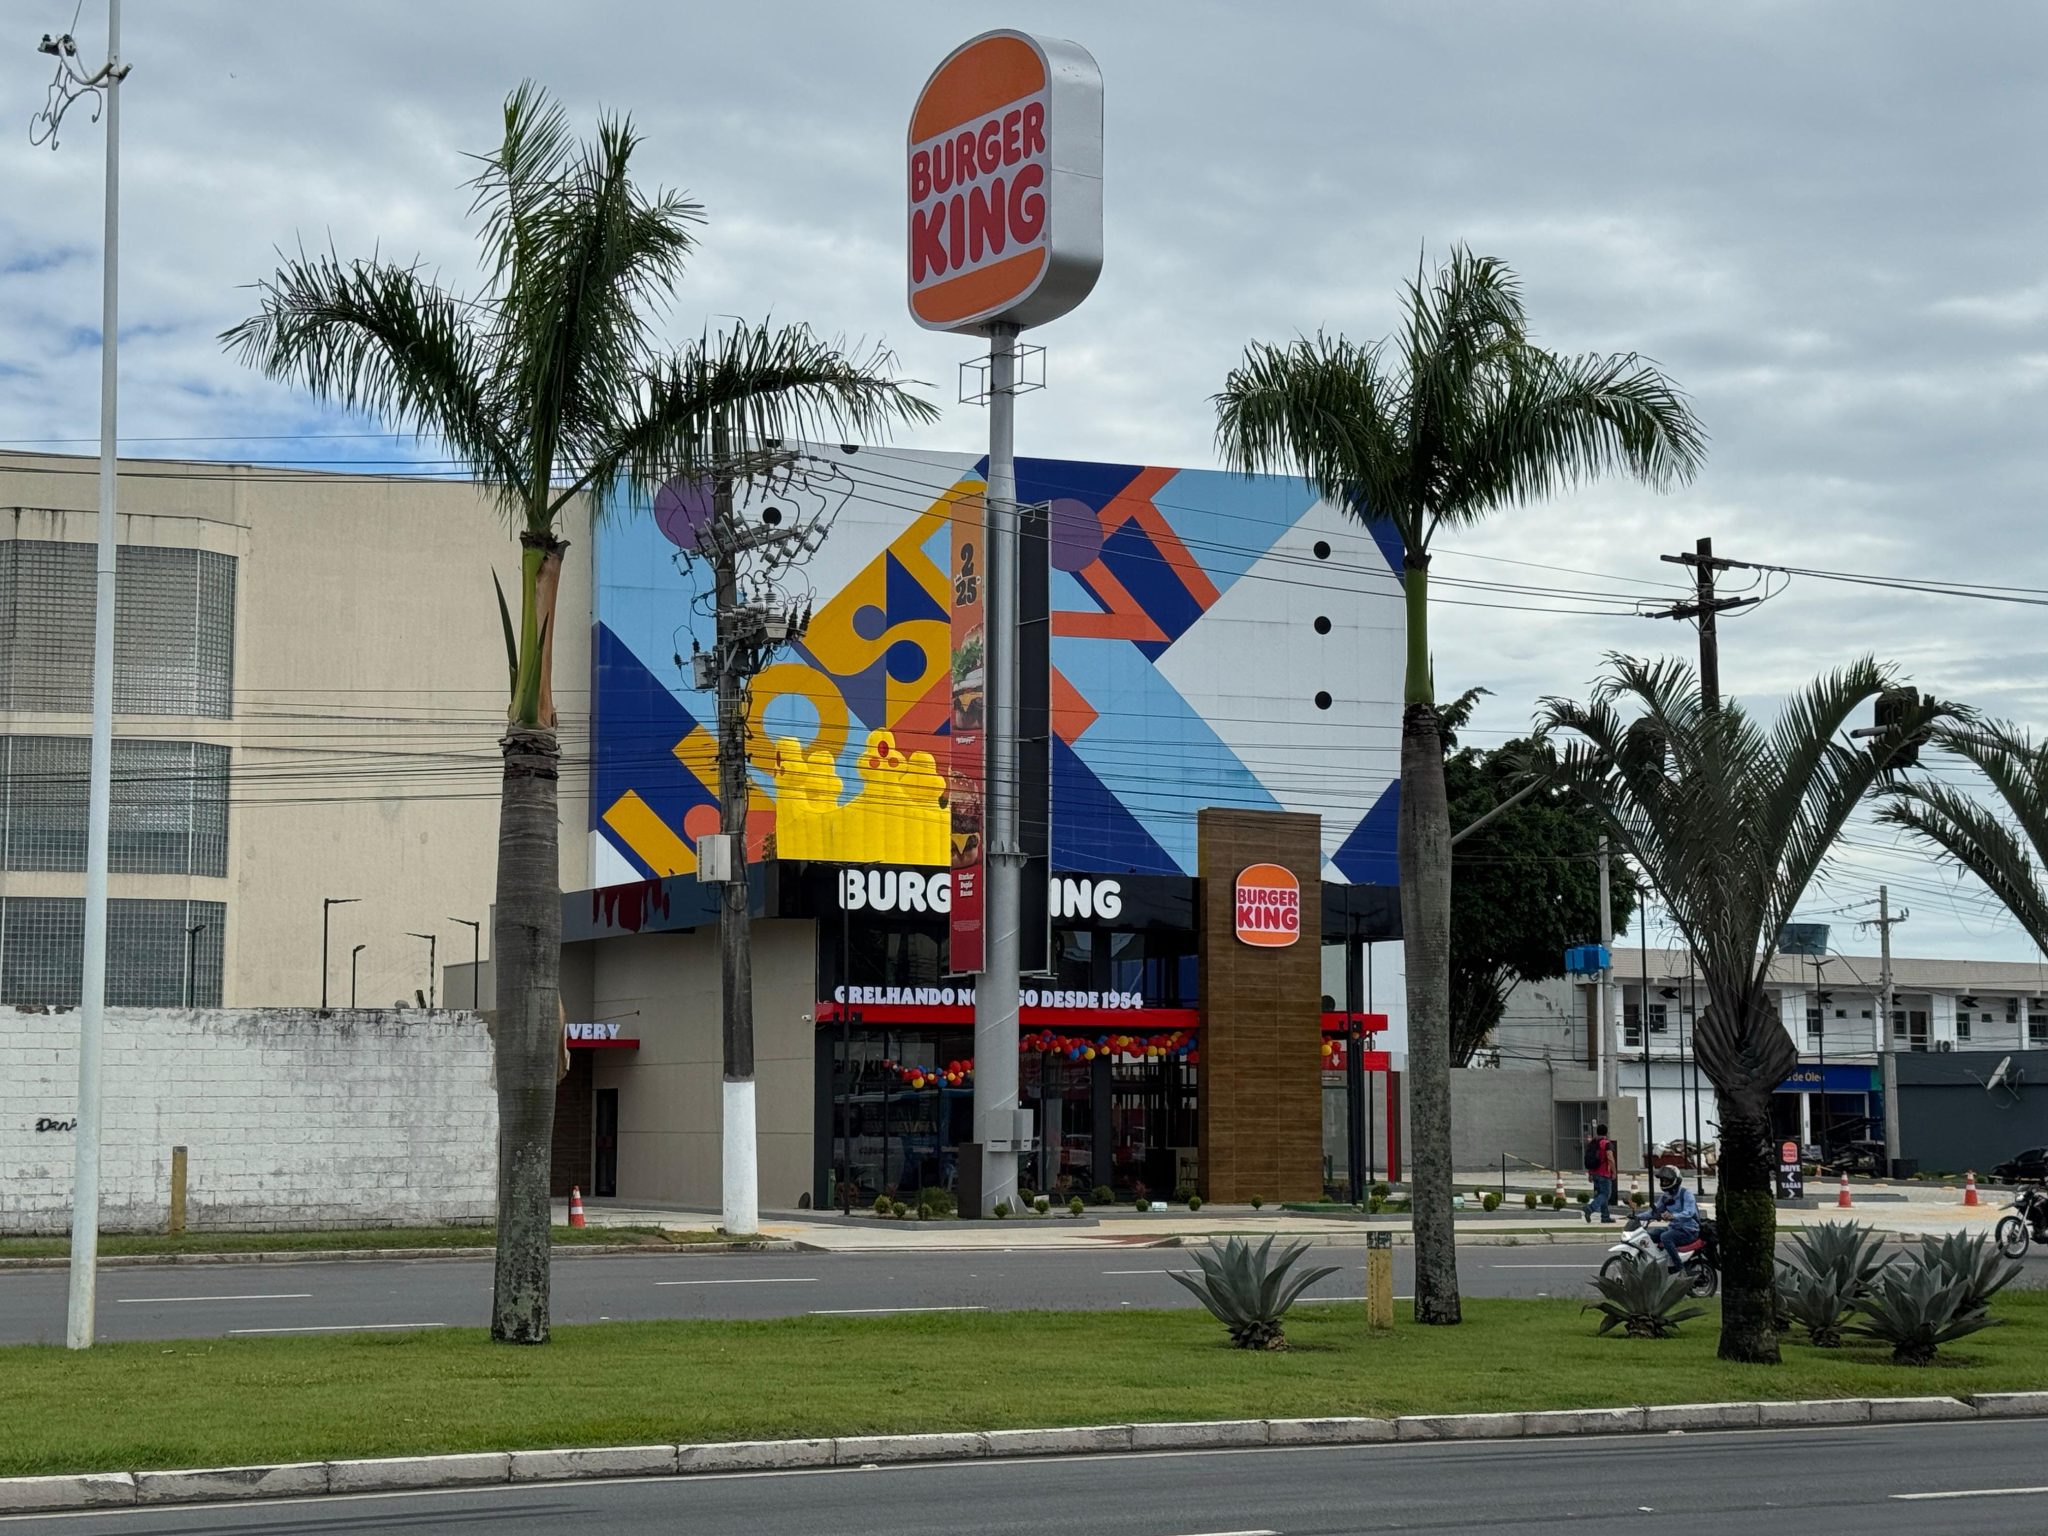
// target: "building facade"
[[309, 684]]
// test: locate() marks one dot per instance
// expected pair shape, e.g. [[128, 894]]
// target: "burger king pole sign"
[[1004, 230], [1268, 906]]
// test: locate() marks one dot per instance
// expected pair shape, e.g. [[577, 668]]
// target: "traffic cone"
[[1842, 1197], [576, 1206], [1558, 1188], [1970, 1188]]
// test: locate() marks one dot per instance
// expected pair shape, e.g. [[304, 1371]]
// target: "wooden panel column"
[[1260, 1082]]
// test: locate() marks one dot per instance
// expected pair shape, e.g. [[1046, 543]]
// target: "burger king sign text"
[[1005, 184], [1268, 906]]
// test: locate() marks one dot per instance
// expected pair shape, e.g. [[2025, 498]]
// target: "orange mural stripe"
[[1176, 555], [1124, 621], [972, 292], [1071, 713], [974, 83], [653, 839]]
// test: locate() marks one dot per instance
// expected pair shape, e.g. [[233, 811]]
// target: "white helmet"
[[1668, 1177]]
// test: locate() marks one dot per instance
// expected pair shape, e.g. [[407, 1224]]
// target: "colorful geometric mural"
[[1216, 640]]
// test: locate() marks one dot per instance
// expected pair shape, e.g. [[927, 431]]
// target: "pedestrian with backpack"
[[1600, 1166]]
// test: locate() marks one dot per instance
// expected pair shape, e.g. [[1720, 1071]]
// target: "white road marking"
[[151, 1301], [1148, 1271], [1968, 1493], [345, 1328], [872, 1311], [1235, 1533], [1539, 1266], [757, 1280]]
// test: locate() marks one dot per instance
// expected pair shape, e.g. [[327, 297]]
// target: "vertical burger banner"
[[968, 769]]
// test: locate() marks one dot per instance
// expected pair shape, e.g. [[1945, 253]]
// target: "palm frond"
[[750, 384], [377, 337]]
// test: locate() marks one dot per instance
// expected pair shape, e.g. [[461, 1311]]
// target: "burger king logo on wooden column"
[[1268, 906], [1005, 183]]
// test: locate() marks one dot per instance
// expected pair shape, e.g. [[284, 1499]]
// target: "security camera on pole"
[[1005, 232]]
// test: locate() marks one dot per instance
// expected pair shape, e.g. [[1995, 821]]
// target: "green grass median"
[[225, 1402], [121, 1244]]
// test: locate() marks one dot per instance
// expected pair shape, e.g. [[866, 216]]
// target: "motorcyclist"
[[1675, 1203]]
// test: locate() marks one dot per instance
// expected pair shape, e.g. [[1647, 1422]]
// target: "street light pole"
[[431, 972], [327, 906], [352, 954], [104, 86], [476, 958]]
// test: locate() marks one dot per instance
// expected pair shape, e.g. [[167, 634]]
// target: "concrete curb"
[[98, 1490], [405, 1255]]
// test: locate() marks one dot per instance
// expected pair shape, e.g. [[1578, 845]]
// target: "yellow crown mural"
[[898, 816]]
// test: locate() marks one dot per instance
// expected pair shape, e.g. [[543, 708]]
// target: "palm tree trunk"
[[527, 943], [1425, 867], [1747, 1218]]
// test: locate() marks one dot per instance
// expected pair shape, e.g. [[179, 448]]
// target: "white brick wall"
[[290, 1118]]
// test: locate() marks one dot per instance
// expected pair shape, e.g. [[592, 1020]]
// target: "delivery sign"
[[1005, 184], [1268, 906]]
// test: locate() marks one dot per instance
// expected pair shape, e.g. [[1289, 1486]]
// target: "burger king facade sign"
[[1005, 184], [1268, 906]]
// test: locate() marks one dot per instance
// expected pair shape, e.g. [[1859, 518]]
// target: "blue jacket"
[[1682, 1209]]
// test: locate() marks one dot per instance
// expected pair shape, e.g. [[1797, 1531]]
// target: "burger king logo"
[[1005, 206], [1268, 906]]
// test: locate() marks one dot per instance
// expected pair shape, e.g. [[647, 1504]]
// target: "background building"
[[309, 685]]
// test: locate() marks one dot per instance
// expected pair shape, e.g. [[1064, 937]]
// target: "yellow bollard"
[[177, 1191], [1379, 1281]]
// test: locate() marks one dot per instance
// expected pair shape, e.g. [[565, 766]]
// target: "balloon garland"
[[1177, 1045]]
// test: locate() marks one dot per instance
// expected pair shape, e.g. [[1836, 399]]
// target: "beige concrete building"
[[309, 689]]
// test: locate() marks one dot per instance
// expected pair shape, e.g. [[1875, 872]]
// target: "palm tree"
[[550, 384], [1730, 823], [2008, 853], [1457, 417]]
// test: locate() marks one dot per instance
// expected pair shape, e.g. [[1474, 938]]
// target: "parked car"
[[2030, 1167]]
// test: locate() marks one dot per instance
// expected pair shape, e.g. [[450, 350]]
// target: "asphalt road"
[[1959, 1479], [196, 1301]]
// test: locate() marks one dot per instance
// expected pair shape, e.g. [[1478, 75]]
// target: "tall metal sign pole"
[[104, 86], [1004, 232], [1887, 1045]]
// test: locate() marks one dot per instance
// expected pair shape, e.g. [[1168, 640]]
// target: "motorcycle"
[[1700, 1260], [2029, 1222]]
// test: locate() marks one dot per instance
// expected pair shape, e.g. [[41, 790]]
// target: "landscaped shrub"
[[1528, 1199], [1002, 1210], [937, 1203], [884, 1205], [1491, 1201], [1916, 1308], [901, 1208], [1637, 1199], [1819, 1303], [1194, 1202], [1183, 1193], [1643, 1301], [1041, 1205], [1249, 1290], [1257, 1201], [1026, 1199], [1382, 1188], [1981, 1268], [1585, 1197], [1075, 1207], [1557, 1202], [1141, 1204], [1375, 1205], [1103, 1195]]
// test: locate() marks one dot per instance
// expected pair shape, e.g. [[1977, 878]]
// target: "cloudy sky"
[[1823, 219]]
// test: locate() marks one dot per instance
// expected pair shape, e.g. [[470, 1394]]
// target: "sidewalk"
[[1924, 1210]]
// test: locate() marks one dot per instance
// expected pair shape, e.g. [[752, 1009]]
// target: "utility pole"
[[104, 86], [1704, 607], [1604, 1041], [1887, 1047], [353, 956], [327, 906], [750, 624]]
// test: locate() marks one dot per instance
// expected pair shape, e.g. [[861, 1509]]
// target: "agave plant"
[[1849, 1253], [1820, 1302], [1249, 1290], [1971, 1260], [1917, 1308], [1643, 1301]]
